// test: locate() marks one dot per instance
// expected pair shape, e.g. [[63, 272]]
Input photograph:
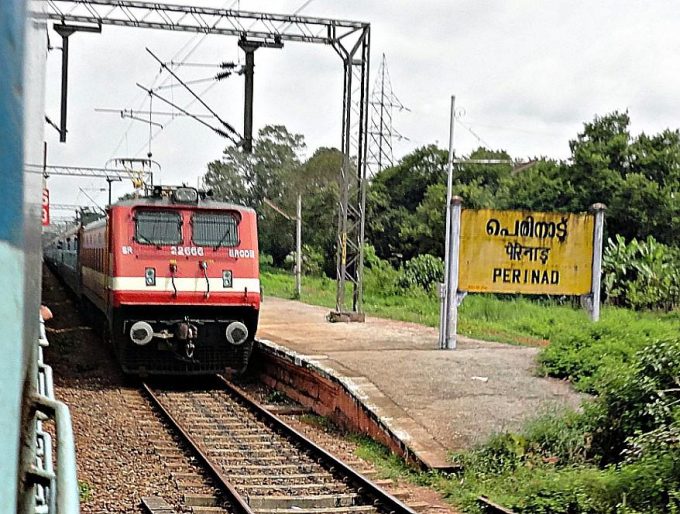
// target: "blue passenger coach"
[[28, 481]]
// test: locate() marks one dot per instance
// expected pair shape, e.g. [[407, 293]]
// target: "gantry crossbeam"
[[207, 20], [82, 171]]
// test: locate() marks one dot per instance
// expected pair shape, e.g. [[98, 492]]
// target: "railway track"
[[261, 464]]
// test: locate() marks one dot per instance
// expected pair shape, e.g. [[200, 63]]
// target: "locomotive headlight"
[[185, 195], [227, 278], [141, 333], [150, 276]]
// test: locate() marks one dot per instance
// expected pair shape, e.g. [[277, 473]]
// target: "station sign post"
[[522, 252]]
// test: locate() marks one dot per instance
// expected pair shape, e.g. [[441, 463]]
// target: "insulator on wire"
[[228, 65], [222, 75]]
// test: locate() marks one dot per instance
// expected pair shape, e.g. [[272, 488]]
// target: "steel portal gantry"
[[84, 171], [350, 39]]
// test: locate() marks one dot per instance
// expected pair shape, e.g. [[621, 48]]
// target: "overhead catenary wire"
[[183, 60], [143, 99], [126, 113], [160, 131], [474, 134], [197, 97], [214, 129], [221, 65], [188, 83]]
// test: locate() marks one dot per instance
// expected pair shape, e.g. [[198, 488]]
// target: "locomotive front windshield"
[[215, 229], [158, 227]]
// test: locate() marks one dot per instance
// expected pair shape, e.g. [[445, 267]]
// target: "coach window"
[[215, 229], [158, 227]]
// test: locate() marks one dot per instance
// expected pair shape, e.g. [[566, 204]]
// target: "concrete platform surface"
[[440, 400]]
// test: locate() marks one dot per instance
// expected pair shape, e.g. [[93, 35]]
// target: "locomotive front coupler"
[[187, 333]]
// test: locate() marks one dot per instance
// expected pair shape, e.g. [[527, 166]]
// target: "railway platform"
[[388, 379]]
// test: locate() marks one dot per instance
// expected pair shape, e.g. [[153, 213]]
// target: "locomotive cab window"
[[158, 227], [215, 229]]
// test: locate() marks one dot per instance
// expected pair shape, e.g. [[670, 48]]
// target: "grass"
[[84, 491], [532, 485], [320, 422], [553, 464], [507, 320]]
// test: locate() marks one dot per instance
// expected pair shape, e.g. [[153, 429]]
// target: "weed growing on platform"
[[321, 422], [387, 463], [84, 491]]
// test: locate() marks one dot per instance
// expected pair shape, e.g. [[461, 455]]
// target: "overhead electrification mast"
[[351, 41]]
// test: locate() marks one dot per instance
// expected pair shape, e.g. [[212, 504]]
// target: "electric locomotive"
[[176, 275]]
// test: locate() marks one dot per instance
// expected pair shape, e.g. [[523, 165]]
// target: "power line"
[[124, 113], [214, 129], [159, 131], [183, 60], [197, 97], [474, 134], [153, 83]]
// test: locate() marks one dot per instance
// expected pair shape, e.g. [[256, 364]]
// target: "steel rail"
[[234, 497], [383, 501]]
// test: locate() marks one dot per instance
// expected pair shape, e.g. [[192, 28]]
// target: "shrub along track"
[[265, 465]]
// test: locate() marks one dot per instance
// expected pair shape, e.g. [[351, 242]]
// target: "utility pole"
[[109, 180], [65, 31], [249, 47], [446, 293]]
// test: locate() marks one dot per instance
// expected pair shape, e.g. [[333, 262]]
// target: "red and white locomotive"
[[176, 275]]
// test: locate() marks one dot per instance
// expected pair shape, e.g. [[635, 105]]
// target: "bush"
[[312, 261], [425, 271], [382, 282], [641, 274], [589, 353], [620, 454], [266, 262], [638, 413]]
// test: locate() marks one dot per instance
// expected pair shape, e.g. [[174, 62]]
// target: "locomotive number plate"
[[186, 250]]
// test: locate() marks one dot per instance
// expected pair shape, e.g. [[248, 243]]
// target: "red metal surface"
[[111, 249], [235, 299]]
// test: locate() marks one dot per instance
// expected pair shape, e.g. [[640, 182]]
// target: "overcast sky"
[[526, 75]]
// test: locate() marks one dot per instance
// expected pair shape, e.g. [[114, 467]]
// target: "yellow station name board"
[[525, 252]]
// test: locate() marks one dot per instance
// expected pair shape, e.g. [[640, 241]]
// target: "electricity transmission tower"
[[349, 39], [381, 133]]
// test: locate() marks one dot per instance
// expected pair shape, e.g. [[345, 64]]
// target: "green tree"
[[394, 196], [270, 171], [406, 203], [318, 184], [638, 178]]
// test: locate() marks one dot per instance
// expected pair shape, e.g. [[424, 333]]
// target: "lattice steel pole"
[[352, 201]]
